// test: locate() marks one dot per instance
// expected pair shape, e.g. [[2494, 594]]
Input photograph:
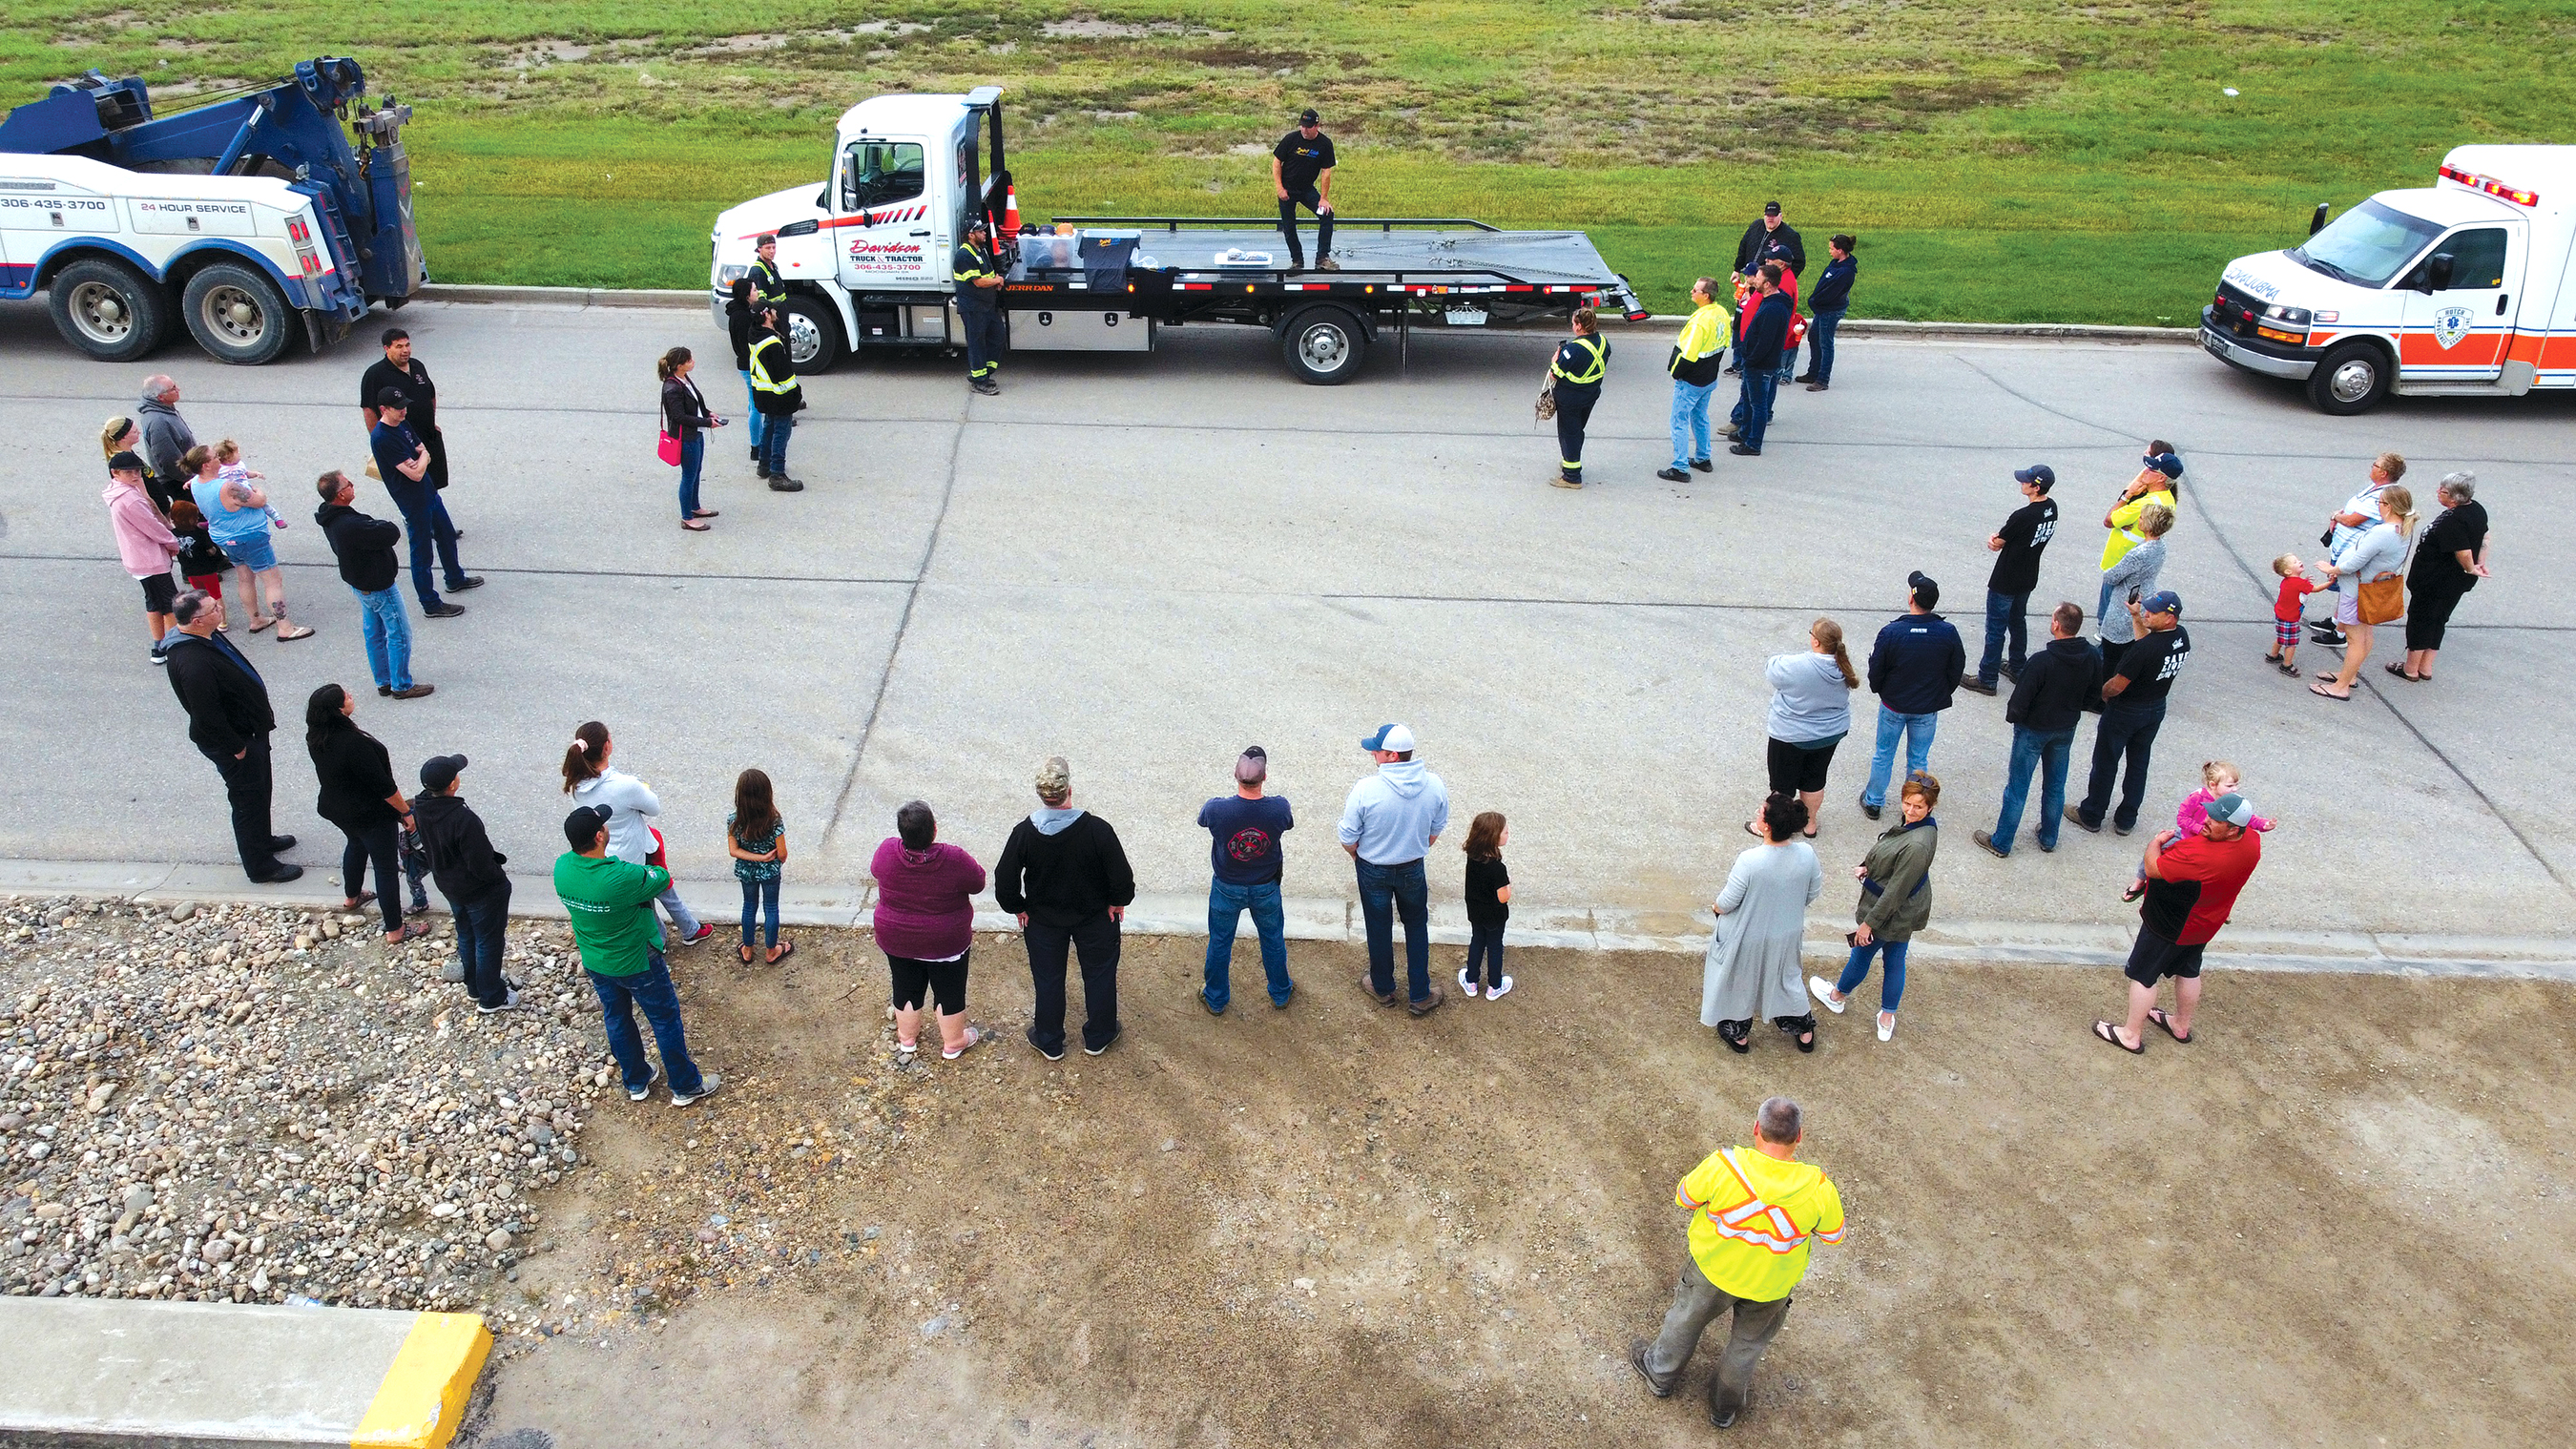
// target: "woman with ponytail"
[[1810, 714], [632, 808]]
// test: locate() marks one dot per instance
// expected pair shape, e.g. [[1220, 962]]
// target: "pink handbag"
[[670, 450]]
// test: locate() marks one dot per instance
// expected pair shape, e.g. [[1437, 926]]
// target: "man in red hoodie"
[[925, 924]]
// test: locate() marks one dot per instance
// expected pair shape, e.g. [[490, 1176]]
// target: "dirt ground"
[[2340, 1217]]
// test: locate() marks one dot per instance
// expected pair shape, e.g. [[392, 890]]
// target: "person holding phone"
[[2130, 578]]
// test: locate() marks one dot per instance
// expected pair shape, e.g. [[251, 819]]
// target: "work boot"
[[781, 483], [1327, 264], [759, 469], [986, 386]]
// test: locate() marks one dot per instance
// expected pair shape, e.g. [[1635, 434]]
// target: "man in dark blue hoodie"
[[1758, 352], [1913, 669]]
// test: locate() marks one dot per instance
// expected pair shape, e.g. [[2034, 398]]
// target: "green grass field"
[[2005, 161]]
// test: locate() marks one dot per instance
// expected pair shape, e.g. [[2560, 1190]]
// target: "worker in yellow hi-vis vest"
[[1753, 1213]]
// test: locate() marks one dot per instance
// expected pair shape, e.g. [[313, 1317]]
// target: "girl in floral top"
[[756, 838]]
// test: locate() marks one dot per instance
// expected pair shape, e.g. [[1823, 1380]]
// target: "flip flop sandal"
[[745, 953], [785, 950], [360, 899], [2132, 893], [256, 625], [2321, 692], [693, 525], [2400, 671], [2157, 1015], [904, 1051], [294, 631], [973, 1035], [2107, 1032]]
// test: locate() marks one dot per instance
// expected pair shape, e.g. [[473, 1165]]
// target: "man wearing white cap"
[[1390, 820]]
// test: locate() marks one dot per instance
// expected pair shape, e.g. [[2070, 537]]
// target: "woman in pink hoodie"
[[925, 920], [144, 542]]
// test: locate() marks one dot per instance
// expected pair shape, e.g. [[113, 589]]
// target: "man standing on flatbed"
[[1301, 167]]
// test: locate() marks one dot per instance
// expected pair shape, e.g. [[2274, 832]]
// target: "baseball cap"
[[1055, 777], [391, 397], [2162, 601], [1252, 766], [128, 461], [2039, 473], [2233, 808], [1770, 208], [1394, 738], [1307, 117], [978, 224], [1926, 591], [583, 825], [2165, 463], [439, 771]]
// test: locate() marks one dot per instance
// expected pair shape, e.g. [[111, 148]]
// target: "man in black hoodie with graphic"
[[468, 872], [2046, 705], [1066, 877], [365, 548]]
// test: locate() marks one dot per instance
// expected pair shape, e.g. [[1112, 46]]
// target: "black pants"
[[1485, 947], [1312, 200], [2127, 733], [482, 926], [1096, 942], [246, 786], [379, 843], [436, 442], [984, 337], [1573, 413], [2428, 614]]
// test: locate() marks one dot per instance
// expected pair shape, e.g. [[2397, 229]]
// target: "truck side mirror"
[[2437, 273], [2317, 222]]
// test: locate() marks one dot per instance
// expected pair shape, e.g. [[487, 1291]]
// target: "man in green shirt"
[[611, 904]]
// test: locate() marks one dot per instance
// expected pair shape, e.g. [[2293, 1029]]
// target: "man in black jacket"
[[229, 721], [365, 548], [1769, 239], [2046, 705], [1067, 879], [1758, 352], [468, 872], [1914, 670]]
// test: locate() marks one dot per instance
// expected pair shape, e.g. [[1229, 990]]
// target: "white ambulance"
[[2459, 289]]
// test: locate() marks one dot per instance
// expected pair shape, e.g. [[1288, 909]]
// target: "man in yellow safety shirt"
[[979, 283], [768, 288], [1697, 355], [1753, 1213]]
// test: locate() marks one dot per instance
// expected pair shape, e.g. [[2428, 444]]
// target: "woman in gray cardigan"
[[1895, 902], [1752, 968], [2379, 552], [2133, 577]]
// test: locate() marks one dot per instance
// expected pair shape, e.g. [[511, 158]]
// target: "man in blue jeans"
[[1389, 821], [2016, 547], [364, 548], [1246, 857], [2133, 709], [469, 874], [610, 902], [1914, 668], [1759, 352], [2046, 705], [403, 462], [1697, 354]]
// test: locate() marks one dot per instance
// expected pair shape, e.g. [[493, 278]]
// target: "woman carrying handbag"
[[685, 420], [2373, 560]]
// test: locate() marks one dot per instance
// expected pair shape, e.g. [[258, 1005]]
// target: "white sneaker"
[[1886, 1025], [1464, 984], [652, 1074], [707, 1084], [1824, 991], [1501, 989]]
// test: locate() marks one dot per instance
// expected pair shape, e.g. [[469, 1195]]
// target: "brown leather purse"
[[2382, 600]]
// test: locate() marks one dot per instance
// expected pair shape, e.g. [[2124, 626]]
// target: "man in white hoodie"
[[1390, 820]]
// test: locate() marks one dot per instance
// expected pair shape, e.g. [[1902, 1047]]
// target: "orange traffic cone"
[[1011, 211]]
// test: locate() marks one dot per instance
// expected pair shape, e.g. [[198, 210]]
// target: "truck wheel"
[[1323, 345], [236, 314], [813, 334], [2350, 379], [109, 310]]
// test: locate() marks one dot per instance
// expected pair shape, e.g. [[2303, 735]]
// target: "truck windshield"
[[2366, 245]]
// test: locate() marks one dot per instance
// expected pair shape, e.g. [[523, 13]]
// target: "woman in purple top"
[[925, 922]]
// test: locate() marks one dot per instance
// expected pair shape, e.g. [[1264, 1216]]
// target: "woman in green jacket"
[[1895, 902]]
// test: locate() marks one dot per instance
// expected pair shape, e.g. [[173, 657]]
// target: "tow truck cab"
[[2460, 289]]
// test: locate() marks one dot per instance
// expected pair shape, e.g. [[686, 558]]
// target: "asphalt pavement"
[[1146, 563]]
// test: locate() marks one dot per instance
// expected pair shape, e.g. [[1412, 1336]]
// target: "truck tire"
[[813, 334], [2351, 379], [109, 310], [237, 314], [1324, 345]]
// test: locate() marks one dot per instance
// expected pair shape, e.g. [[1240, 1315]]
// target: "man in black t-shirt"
[[2016, 547], [1301, 170], [2133, 708], [404, 374]]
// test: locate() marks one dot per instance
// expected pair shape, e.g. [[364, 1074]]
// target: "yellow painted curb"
[[422, 1399]]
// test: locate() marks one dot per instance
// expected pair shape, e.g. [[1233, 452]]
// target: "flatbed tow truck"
[[866, 258]]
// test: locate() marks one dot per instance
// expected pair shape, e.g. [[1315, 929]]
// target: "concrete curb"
[[1333, 918], [692, 300], [87, 1371]]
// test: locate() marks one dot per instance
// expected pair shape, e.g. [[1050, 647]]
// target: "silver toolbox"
[[1064, 329], [930, 324]]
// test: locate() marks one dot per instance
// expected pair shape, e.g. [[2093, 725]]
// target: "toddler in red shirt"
[[2286, 606]]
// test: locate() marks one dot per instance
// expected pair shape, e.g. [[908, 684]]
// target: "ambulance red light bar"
[[2490, 186]]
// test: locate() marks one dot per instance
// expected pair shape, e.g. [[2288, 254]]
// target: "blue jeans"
[[1226, 905], [773, 441], [1891, 984], [1753, 406], [2004, 621], [693, 455], [426, 524], [1690, 422], [482, 922], [1820, 344], [2127, 732], [382, 618], [681, 915], [651, 990], [1917, 729], [1386, 890], [2048, 752], [759, 896], [751, 411]]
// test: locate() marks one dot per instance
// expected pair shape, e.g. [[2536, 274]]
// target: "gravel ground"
[[256, 1104]]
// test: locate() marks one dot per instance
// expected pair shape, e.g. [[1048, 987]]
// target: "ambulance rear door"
[[2459, 333]]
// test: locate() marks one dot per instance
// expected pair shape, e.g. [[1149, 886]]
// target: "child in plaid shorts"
[[2295, 589]]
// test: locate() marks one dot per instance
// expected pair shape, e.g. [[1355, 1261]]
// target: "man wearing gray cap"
[[1246, 827], [1390, 821], [1066, 877], [2192, 885]]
